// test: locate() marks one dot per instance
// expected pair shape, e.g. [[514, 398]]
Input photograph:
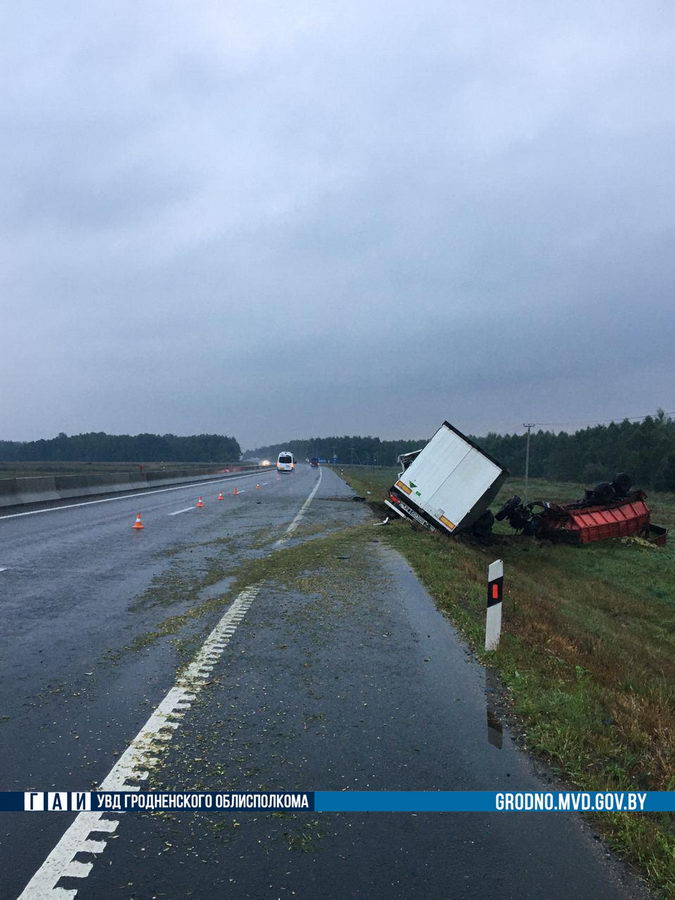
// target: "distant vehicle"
[[285, 461], [314, 462]]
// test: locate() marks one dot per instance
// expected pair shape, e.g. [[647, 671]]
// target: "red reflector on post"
[[495, 591]]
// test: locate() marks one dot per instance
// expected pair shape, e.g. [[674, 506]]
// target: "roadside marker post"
[[493, 617]]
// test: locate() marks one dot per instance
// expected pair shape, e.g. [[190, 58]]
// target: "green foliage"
[[97, 446], [645, 450], [355, 450]]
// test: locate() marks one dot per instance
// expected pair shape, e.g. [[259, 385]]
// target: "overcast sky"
[[281, 220]]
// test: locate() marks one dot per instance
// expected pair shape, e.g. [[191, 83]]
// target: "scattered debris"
[[385, 522]]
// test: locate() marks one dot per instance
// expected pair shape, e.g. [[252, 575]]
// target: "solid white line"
[[182, 487], [300, 514], [143, 752], [135, 763], [179, 511]]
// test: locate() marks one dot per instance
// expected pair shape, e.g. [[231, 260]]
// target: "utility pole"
[[529, 426]]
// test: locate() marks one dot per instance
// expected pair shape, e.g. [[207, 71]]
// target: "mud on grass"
[[587, 654]]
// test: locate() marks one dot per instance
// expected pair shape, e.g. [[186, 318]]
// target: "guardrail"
[[44, 488]]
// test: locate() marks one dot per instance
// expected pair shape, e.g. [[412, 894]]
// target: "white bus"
[[285, 461]]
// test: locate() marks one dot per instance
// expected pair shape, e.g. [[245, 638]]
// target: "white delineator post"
[[493, 618]]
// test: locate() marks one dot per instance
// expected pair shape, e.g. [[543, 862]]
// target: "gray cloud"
[[367, 218]]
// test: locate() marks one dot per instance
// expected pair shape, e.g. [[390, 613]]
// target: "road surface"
[[338, 674]]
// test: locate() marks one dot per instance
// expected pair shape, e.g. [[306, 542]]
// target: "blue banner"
[[340, 801]]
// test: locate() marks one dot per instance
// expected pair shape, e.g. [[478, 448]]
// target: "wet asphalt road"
[[348, 679]]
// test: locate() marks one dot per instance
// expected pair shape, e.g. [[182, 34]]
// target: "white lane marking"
[[301, 512], [136, 761], [143, 752], [3, 568], [183, 487]]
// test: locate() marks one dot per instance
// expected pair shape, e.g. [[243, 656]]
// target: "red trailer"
[[608, 511]]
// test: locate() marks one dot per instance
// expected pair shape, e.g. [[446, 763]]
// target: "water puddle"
[[495, 731], [215, 590]]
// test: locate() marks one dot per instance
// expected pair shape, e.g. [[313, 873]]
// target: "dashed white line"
[[301, 512], [182, 487], [143, 752], [3, 568], [179, 511], [135, 763]]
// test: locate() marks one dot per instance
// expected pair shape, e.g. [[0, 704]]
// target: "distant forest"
[[97, 446], [348, 450], [645, 450]]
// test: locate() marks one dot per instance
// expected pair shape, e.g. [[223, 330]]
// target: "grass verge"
[[587, 654]]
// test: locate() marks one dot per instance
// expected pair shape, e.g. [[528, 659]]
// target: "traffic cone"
[[200, 502], [235, 491], [257, 487], [138, 524], [220, 496]]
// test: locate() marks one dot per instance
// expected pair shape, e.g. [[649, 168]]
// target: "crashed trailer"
[[448, 485]]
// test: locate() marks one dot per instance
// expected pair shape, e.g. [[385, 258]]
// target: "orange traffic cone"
[[199, 502], [257, 486], [220, 496], [138, 524], [235, 491]]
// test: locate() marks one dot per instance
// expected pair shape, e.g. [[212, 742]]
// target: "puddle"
[[215, 590], [495, 730]]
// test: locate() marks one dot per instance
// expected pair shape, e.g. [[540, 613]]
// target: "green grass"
[[587, 654]]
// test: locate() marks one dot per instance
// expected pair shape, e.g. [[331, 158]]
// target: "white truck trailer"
[[448, 485]]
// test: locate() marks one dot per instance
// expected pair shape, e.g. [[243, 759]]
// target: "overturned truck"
[[448, 486]]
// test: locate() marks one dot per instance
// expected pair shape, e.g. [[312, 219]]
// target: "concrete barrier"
[[38, 489], [8, 492], [35, 489]]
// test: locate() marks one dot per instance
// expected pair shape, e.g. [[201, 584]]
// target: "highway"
[[332, 677]]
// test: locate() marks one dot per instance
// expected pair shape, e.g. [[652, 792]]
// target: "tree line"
[[97, 446], [644, 449], [348, 450]]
